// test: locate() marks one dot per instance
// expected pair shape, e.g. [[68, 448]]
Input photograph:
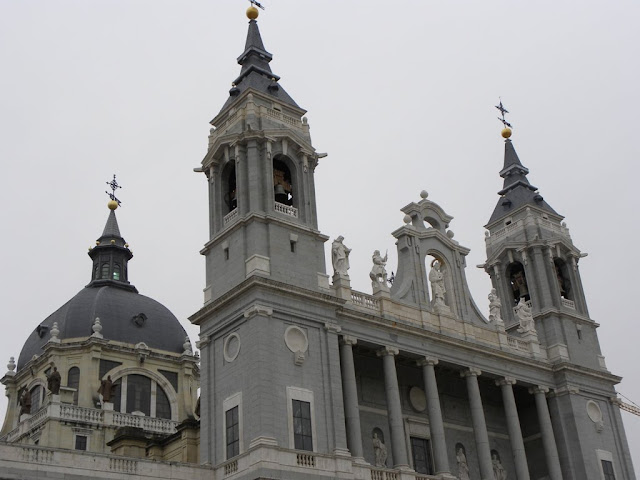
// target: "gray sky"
[[400, 94]]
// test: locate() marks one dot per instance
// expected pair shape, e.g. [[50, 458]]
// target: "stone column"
[[335, 395], [436, 426], [548, 439], [513, 425], [479, 423], [394, 407], [350, 392]]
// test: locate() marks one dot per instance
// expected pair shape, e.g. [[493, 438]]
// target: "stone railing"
[[286, 209], [123, 465], [554, 227], [150, 424], [568, 303], [38, 418], [363, 300], [506, 230], [282, 117], [231, 468], [231, 216], [380, 474], [80, 414], [305, 460]]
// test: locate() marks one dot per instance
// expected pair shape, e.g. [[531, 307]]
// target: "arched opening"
[[139, 394], [518, 281], [116, 272], [282, 183], [116, 397], [564, 282], [163, 406], [37, 394], [105, 271], [96, 272], [73, 381], [229, 184]]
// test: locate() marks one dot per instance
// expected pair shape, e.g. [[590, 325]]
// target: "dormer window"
[[116, 272], [105, 271]]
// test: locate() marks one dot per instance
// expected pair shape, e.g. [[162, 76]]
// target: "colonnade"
[[436, 424]]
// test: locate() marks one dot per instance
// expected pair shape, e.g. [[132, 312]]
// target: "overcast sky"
[[400, 94]]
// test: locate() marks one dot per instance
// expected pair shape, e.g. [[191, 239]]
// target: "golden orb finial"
[[252, 12], [506, 132], [112, 204]]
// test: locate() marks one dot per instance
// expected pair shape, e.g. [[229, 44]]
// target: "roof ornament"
[[252, 11], [506, 131], [114, 202]]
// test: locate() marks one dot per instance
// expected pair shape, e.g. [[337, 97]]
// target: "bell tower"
[[260, 169], [531, 256]]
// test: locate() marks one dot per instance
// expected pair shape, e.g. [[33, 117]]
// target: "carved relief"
[[231, 347], [296, 340]]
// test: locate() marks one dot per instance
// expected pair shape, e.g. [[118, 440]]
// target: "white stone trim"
[[604, 455], [304, 395], [234, 400]]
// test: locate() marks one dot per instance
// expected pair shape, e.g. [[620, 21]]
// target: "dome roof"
[[119, 311]]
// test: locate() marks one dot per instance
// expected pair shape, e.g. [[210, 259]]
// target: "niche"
[[230, 187], [518, 282], [562, 274], [282, 183]]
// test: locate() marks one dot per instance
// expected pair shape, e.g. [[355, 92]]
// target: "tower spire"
[[516, 191], [111, 254], [256, 72]]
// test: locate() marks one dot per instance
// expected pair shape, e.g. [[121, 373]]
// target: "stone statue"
[[463, 467], [53, 381], [105, 392], [499, 472], [340, 257], [25, 402], [495, 315], [378, 272], [436, 277], [523, 312], [380, 449]]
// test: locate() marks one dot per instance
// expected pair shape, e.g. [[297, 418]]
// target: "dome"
[[125, 315]]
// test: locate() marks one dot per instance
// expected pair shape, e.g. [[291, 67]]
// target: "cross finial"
[[503, 111], [113, 184]]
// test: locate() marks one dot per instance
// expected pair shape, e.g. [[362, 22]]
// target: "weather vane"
[[114, 186], [253, 2], [503, 111]]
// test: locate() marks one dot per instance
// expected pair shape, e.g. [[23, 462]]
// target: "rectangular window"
[[302, 425], [607, 469], [81, 442], [421, 451], [233, 432]]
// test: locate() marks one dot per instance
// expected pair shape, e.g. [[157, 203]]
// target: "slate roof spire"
[[516, 190], [111, 255], [256, 72]]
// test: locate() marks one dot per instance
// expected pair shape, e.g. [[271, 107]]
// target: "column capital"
[[332, 327], [505, 381], [348, 340], [471, 372], [539, 389], [424, 361], [258, 309], [387, 351]]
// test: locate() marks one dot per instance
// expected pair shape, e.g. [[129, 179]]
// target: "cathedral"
[[296, 375]]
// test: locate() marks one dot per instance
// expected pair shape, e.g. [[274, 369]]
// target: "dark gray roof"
[[516, 190], [111, 228], [116, 307], [256, 72]]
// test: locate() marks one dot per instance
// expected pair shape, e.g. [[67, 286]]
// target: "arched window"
[[116, 272], [163, 406], [564, 282], [116, 398], [139, 394], [73, 381], [282, 183], [96, 272], [105, 271], [518, 281], [37, 394], [230, 187]]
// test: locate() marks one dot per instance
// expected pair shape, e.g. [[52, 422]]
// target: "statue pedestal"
[[380, 289], [108, 406], [531, 336], [342, 286], [54, 398], [66, 394]]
